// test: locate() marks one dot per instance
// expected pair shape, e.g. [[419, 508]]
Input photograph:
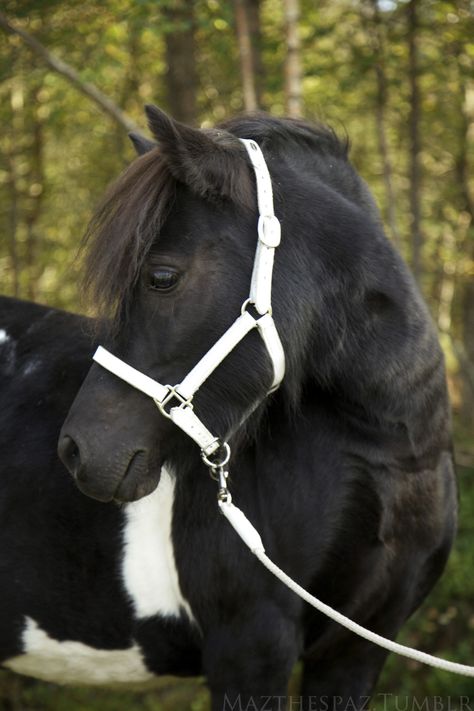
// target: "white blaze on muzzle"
[[175, 402]]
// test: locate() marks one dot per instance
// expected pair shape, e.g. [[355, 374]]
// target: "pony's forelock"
[[122, 231]]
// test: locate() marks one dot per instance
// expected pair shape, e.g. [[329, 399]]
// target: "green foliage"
[[59, 151]]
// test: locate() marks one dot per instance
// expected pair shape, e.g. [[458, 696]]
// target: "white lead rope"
[[251, 537]]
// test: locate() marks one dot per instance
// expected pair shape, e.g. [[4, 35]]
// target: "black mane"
[[288, 134]]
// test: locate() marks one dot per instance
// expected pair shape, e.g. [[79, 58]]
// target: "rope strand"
[[250, 536], [349, 624]]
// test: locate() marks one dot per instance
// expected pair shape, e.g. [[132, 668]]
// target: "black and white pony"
[[346, 470]]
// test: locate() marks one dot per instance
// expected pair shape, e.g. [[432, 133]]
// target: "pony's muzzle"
[[131, 481]]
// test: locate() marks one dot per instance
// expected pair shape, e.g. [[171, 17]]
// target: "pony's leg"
[[343, 679], [248, 660]]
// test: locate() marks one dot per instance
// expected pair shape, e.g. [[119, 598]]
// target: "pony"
[[346, 469]]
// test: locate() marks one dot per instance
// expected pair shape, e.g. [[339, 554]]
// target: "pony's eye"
[[163, 279]]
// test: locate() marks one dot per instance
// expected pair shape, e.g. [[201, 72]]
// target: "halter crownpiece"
[[175, 401]]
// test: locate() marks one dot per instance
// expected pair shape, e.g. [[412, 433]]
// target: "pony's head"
[[170, 257]]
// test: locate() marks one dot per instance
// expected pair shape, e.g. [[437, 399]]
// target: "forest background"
[[395, 75]]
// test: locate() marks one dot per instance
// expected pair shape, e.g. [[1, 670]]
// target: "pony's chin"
[[128, 492], [138, 481], [135, 484]]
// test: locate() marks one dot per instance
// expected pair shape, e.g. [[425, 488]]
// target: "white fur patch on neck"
[[76, 663], [149, 569], [4, 337]]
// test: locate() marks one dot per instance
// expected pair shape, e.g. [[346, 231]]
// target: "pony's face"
[[186, 289]]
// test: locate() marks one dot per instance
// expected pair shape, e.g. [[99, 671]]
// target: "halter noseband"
[[176, 401]]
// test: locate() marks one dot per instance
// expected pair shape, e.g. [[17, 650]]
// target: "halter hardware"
[[212, 464], [218, 472], [269, 230], [173, 394]]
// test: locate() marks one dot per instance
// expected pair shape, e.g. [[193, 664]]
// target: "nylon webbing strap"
[[133, 377], [215, 355], [269, 231]]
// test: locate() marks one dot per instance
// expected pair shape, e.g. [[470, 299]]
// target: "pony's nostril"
[[69, 454]]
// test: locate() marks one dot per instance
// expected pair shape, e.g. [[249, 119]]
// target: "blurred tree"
[[181, 76], [247, 25], [466, 207], [376, 36], [293, 87], [70, 74], [415, 145]]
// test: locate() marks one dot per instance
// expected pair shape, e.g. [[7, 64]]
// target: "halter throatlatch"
[[176, 401]]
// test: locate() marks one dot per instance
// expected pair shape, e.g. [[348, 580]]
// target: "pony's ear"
[[141, 144], [211, 163]]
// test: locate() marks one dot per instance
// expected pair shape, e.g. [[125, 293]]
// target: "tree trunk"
[[415, 144], [255, 32], [293, 90], [181, 75], [130, 85], [35, 196], [467, 208], [447, 281], [375, 34], [12, 187], [244, 19], [13, 225]]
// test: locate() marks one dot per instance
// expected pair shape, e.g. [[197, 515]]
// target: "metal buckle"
[[269, 230], [173, 394]]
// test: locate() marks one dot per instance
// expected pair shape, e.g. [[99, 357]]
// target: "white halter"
[[179, 397]]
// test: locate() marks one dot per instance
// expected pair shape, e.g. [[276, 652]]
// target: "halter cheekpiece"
[[176, 401]]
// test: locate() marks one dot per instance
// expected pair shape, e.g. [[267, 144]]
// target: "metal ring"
[[216, 465], [244, 306], [244, 310]]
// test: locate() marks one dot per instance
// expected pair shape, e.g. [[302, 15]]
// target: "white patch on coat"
[[149, 569], [4, 337], [76, 663]]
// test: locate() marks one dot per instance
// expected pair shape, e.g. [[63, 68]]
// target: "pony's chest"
[[150, 579], [149, 569]]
